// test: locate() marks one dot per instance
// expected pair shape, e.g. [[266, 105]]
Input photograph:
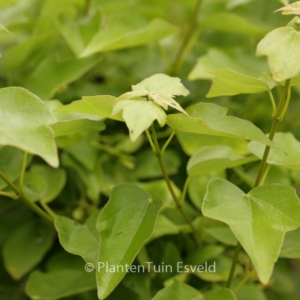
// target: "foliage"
[[149, 150]]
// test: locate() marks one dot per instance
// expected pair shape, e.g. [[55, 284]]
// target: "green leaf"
[[3, 28], [93, 106], [291, 245], [222, 234], [232, 23], [227, 82], [258, 219], [120, 36], [10, 163], [211, 119], [287, 154], [178, 291], [139, 115], [220, 294], [26, 247], [234, 3], [163, 226], [203, 254], [26, 51], [121, 240], [191, 142], [24, 121], [45, 183], [197, 186], [57, 74], [236, 59], [79, 239], [251, 292], [282, 48], [215, 158], [66, 277]]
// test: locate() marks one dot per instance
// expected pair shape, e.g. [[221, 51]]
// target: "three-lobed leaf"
[[282, 48], [24, 121], [258, 219]]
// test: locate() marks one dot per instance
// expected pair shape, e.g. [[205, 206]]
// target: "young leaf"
[[258, 219], [139, 115], [287, 154], [26, 247], [215, 158], [282, 48], [24, 121], [228, 83], [178, 291], [79, 239], [161, 89], [211, 119], [291, 9], [125, 224]]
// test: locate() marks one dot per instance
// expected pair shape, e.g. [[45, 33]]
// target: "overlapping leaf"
[[287, 154], [211, 119], [258, 219], [215, 158]]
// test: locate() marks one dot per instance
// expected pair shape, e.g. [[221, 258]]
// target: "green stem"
[[277, 117], [184, 191], [168, 181], [241, 284], [151, 141], [27, 201], [234, 263], [21, 184], [9, 195], [164, 147], [181, 52], [48, 209]]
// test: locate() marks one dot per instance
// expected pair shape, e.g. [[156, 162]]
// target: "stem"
[[150, 141], [27, 201], [186, 38], [48, 209], [246, 278], [168, 181], [277, 117], [9, 195], [23, 171], [164, 147], [183, 195], [234, 263], [280, 111], [265, 175]]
